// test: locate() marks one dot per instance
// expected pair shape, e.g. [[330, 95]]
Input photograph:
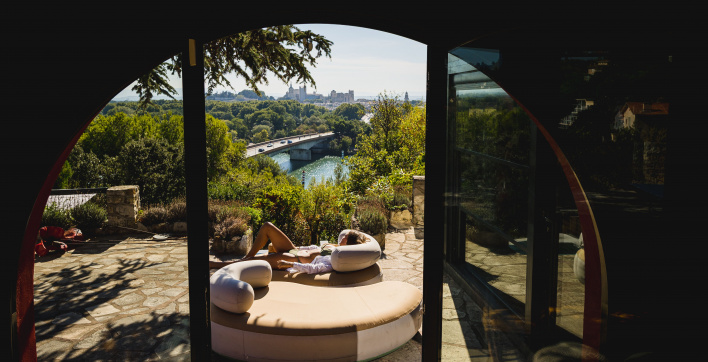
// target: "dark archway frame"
[[77, 39]]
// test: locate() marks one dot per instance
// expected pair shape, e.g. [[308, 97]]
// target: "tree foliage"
[[350, 111], [155, 166], [284, 51], [393, 151]]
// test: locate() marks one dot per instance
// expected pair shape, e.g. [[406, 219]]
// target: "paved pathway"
[[126, 298]]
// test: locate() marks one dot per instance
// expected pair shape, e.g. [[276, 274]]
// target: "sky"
[[369, 62]]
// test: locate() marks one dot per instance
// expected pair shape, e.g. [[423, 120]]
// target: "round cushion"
[[356, 257], [231, 287], [579, 265]]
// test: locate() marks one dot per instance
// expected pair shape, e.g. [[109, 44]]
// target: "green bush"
[[155, 166], [255, 217], [55, 216], [372, 221], [227, 191], [153, 215], [401, 198], [230, 227], [220, 212], [177, 211], [371, 201], [89, 216], [280, 205]]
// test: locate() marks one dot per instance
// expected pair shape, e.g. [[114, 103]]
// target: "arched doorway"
[[196, 132]]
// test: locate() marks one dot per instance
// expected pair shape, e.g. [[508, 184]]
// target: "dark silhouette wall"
[[62, 62]]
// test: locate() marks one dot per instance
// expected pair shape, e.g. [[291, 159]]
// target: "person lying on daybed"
[[307, 259]]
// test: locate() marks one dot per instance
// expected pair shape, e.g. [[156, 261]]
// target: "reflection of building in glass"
[[651, 114], [582, 105], [649, 121], [595, 68]]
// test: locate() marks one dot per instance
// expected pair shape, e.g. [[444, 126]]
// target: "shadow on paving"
[[64, 298], [139, 337]]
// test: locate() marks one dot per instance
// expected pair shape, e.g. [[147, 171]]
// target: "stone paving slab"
[[114, 298], [126, 298]]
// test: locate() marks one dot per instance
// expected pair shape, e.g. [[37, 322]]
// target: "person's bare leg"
[[272, 259], [280, 241], [281, 244]]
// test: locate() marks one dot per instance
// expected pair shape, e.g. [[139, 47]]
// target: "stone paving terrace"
[[126, 298]]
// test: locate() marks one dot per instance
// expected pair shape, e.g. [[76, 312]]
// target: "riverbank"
[[322, 166]]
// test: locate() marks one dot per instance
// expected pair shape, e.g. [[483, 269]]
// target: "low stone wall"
[[400, 219], [418, 205], [415, 214], [122, 205]]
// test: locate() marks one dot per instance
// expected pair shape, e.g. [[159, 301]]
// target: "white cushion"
[[356, 257], [231, 287]]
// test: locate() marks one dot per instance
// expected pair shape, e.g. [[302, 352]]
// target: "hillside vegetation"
[[125, 145]]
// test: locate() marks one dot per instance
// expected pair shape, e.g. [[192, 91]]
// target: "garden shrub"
[[280, 205], [153, 215], [213, 209], [155, 166], [55, 216], [228, 190], [230, 227], [383, 190], [401, 198], [330, 225], [89, 216], [371, 201], [299, 231], [324, 208], [255, 217], [372, 221], [220, 213], [177, 210]]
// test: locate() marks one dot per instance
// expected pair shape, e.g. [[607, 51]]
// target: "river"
[[321, 166]]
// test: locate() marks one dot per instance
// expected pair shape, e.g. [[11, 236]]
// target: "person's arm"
[[309, 268], [341, 236]]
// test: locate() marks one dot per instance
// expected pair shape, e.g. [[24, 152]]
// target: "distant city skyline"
[[366, 61]]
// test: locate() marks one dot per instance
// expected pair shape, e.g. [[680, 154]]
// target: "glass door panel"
[[488, 189], [490, 147]]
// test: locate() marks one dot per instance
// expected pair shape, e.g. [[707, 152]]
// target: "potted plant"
[[373, 222]]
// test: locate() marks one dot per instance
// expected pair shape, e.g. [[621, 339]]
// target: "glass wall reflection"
[[490, 143]]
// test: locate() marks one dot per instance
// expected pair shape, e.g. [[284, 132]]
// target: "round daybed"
[[257, 319]]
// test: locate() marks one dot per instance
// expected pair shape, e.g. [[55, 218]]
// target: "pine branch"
[[283, 51]]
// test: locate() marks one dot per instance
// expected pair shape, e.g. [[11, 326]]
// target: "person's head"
[[353, 237]]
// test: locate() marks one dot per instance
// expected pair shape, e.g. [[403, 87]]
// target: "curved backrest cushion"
[[231, 287], [356, 257]]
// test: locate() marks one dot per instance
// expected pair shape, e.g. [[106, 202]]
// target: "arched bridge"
[[299, 146]]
